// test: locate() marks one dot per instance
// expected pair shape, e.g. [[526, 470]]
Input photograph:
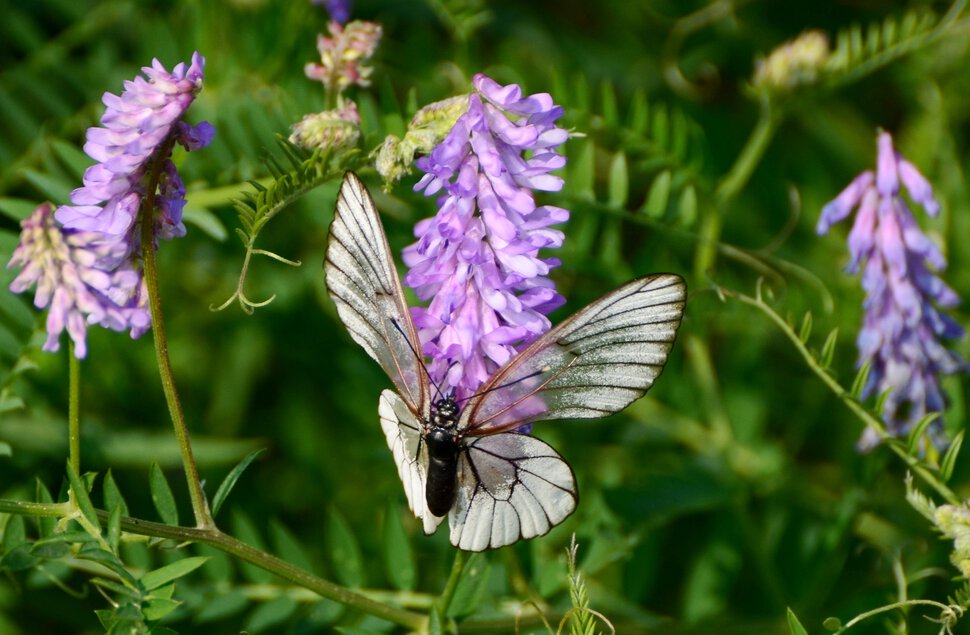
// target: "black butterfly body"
[[495, 485], [444, 445]]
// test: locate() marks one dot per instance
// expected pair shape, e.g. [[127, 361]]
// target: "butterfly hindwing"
[[363, 282], [510, 486], [403, 432], [594, 363]]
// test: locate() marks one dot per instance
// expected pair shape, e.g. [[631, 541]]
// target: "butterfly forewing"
[[593, 364], [511, 486], [403, 432], [364, 285]]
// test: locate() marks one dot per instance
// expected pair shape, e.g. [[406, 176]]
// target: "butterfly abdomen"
[[442, 480]]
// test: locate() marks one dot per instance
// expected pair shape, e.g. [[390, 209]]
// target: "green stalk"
[[732, 184], [947, 613], [74, 408], [870, 420], [200, 507], [227, 544], [457, 567], [40, 510], [754, 149]]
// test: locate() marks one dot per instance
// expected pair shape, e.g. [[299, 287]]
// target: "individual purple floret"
[[339, 10], [478, 259], [85, 278], [902, 326], [143, 121]]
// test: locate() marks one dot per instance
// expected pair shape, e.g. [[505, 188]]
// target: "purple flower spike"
[[902, 326], [85, 278], [88, 271], [144, 120], [478, 259]]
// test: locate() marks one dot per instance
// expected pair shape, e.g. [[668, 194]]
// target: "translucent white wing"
[[403, 432], [510, 486], [593, 364], [363, 282]]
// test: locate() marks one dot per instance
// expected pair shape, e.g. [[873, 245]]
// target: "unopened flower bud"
[[338, 130], [429, 126], [793, 64]]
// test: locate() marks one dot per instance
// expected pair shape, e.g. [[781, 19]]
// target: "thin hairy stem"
[[227, 544], [946, 609], [74, 408], [925, 472], [200, 507]]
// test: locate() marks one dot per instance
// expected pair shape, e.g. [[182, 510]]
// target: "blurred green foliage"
[[730, 493]]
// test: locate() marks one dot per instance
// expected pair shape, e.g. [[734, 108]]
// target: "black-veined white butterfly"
[[467, 462]]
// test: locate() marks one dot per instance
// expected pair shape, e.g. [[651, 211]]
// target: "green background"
[[731, 492]]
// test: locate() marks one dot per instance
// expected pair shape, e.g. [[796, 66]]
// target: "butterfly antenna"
[[544, 369], [418, 357]]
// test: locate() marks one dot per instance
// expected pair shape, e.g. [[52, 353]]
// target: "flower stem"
[[74, 408], [41, 510], [731, 185], [895, 605], [227, 544], [200, 507], [457, 567], [754, 149]]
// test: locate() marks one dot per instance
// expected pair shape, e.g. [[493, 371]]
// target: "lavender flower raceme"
[[902, 327], [89, 270], [143, 121], [478, 259], [82, 276]]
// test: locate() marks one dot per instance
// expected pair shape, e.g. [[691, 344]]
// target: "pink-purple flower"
[[84, 277], [345, 55], [145, 120], [88, 267], [478, 259], [903, 325]]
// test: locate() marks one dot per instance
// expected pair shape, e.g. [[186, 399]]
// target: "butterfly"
[[465, 460]]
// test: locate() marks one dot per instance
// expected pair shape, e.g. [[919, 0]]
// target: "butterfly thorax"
[[443, 443], [444, 413]]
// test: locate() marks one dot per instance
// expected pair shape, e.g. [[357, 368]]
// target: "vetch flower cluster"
[[903, 326], [143, 121], [89, 268], [478, 259], [85, 278], [953, 521], [344, 56], [344, 62]]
